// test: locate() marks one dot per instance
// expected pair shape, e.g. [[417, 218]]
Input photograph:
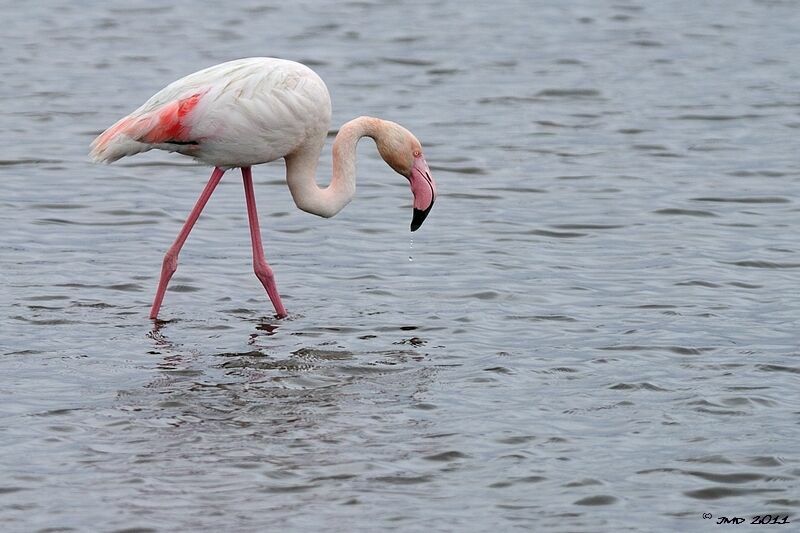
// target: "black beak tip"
[[419, 217]]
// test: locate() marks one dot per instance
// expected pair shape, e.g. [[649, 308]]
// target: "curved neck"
[[301, 168]]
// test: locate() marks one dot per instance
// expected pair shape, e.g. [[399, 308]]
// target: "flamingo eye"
[[417, 153]]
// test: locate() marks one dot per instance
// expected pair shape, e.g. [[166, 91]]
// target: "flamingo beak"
[[424, 190]]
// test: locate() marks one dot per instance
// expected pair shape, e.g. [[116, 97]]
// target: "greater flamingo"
[[252, 111]]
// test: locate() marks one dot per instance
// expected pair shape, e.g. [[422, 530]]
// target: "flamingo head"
[[403, 152]]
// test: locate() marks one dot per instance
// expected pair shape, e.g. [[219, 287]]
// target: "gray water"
[[598, 330]]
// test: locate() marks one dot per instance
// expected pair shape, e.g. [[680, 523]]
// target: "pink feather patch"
[[170, 121]]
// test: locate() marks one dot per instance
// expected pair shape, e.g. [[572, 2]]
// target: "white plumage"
[[249, 111]]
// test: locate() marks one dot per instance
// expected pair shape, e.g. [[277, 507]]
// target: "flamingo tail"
[[121, 140]]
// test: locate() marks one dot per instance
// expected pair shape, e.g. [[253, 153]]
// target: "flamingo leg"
[[170, 264], [260, 265]]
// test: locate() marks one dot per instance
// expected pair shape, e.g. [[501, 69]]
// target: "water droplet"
[[410, 249]]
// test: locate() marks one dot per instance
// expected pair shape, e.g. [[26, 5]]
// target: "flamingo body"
[[252, 111], [236, 114]]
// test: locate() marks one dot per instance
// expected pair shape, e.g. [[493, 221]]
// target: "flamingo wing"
[[168, 125]]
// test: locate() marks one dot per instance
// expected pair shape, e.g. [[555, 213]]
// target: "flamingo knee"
[[264, 273], [170, 263]]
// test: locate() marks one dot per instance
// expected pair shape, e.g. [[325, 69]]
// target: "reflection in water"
[[244, 381], [264, 421]]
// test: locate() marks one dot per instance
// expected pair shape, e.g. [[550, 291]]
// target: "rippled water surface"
[[598, 330]]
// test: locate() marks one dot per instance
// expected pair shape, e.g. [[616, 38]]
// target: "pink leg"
[[170, 264], [262, 269]]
